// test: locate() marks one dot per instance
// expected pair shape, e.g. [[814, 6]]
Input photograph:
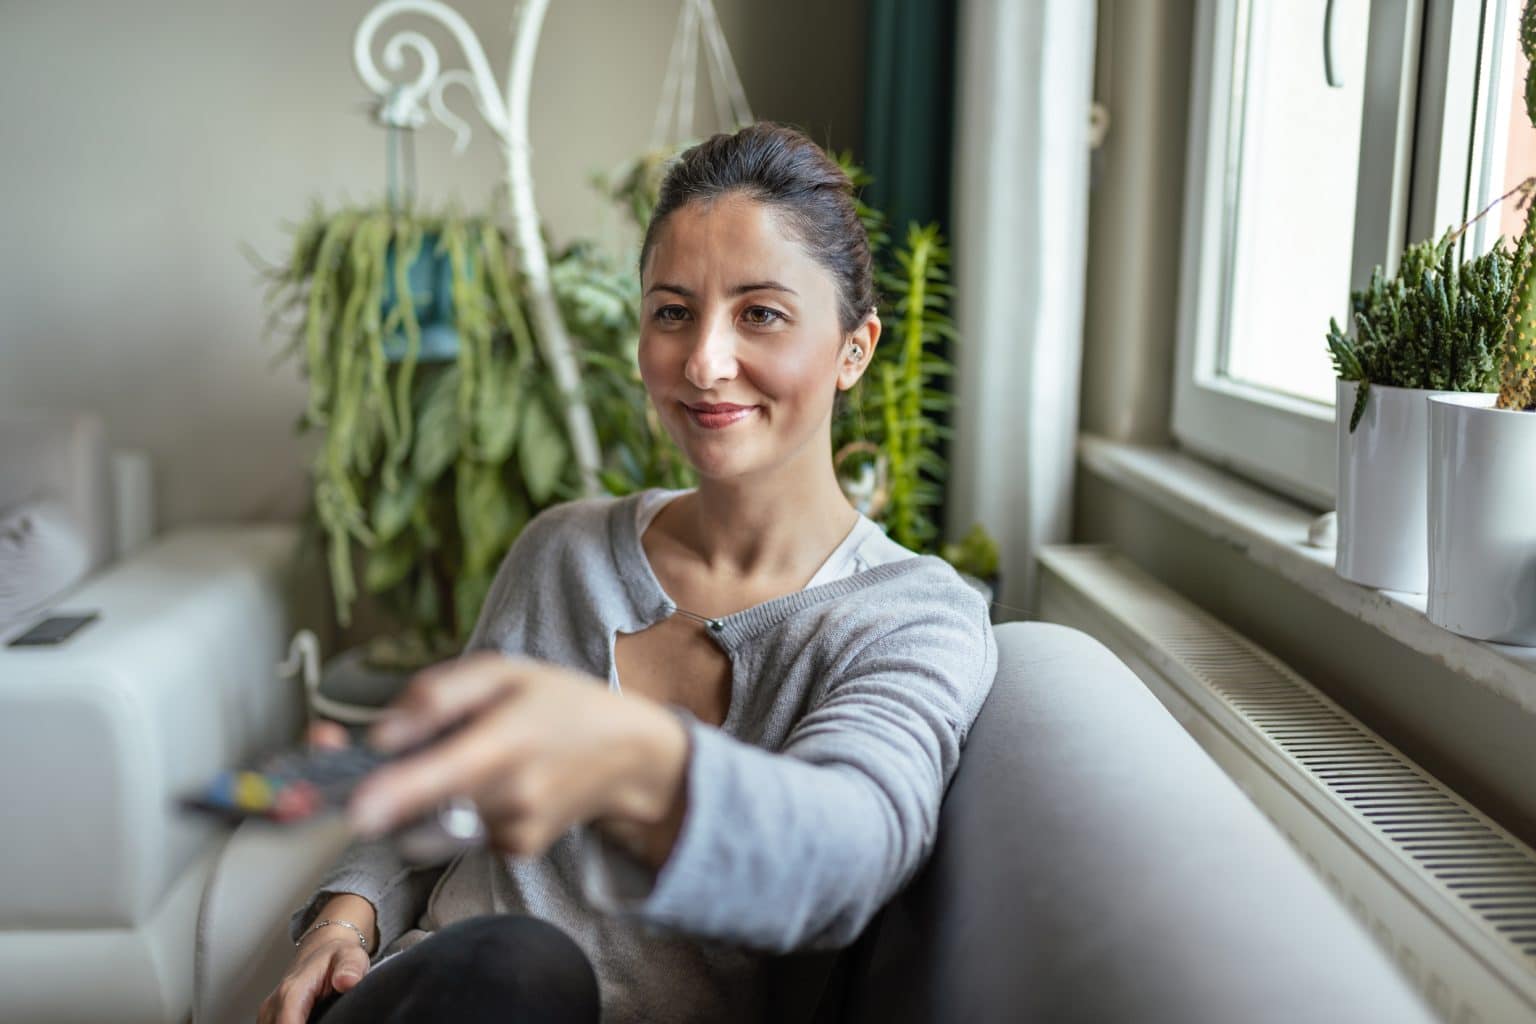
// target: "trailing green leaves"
[[437, 430], [600, 301], [427, 471], [543, 455]]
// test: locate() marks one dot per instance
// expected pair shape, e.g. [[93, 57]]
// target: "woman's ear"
[[858, 350]]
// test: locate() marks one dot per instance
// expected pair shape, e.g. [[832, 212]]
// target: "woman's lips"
[[718, 420]]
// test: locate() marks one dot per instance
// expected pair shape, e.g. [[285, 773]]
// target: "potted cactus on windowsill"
[[1482, 536], [1432, 329]]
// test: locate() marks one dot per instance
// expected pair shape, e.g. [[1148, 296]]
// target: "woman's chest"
[[674, 662]]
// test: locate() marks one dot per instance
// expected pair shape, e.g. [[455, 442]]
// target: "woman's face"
[[736, 313]]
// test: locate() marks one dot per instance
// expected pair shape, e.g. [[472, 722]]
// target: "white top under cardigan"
[[865, 546]]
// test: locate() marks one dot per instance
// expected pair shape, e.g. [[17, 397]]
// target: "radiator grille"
[[1480, 879], [1476, 861]]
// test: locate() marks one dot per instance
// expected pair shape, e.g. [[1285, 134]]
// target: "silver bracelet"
[[362, 940]]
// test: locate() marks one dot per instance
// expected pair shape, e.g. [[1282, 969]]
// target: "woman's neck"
[[770, 527]]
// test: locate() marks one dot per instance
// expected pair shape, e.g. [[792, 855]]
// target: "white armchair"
[[102, 874]]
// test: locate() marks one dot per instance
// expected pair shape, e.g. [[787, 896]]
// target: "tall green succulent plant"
[[905, 401], [1517, 355], [898, 403]]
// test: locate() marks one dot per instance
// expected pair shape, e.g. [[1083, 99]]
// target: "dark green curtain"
[[909, 109], [908, 126]]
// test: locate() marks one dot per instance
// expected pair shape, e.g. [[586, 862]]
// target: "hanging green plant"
[[427, 470]]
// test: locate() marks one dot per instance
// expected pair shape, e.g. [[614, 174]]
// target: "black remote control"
[[297, 785], [289, 787]]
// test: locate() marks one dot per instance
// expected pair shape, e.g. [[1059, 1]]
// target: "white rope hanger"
[[697, 23]]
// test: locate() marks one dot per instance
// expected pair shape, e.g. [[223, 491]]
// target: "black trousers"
[[501, 967]]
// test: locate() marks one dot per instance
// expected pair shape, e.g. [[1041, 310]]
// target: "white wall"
[[145, 143]]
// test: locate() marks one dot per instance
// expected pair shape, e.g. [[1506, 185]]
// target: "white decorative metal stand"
[[401, 105]]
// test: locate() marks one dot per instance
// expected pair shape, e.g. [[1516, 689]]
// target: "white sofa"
[[102, 874]]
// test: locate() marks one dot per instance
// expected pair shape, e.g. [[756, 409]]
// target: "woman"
[[701, 726]]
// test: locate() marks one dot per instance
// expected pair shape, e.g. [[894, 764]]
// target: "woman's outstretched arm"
[[799, 848]]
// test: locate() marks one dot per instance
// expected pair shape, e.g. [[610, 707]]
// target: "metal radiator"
[[1446, 890]]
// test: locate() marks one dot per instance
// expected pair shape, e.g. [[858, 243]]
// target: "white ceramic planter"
[[1482, 530], [1383, 486]]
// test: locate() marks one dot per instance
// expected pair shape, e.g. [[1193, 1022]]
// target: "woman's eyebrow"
[[740, 289], [762, 286]]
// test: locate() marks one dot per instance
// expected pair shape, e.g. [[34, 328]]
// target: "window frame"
[[1424, 76]]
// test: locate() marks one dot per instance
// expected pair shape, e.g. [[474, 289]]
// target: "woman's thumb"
[[347, 968]]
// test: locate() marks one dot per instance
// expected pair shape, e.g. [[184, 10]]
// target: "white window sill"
[[1272, 532]]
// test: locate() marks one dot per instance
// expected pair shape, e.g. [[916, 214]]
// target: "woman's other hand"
[[540, 748], [324, 734], [329, 959]]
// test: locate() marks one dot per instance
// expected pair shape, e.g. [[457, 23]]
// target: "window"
[[1324, 136], [1292, 186]]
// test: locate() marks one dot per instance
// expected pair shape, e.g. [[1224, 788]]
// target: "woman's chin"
[[717, 465], [723, 459]]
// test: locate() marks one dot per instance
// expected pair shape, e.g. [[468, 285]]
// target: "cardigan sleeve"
[[799, 848], [374, 870]]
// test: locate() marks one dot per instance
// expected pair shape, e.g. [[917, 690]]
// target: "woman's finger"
[[458, 764], [298, 992], [441, 695], [348, 966], [324, 735], [295, 997]]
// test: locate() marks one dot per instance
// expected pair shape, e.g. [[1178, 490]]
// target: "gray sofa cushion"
[[1094, 864]]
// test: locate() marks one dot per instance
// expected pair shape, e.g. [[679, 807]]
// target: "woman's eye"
[[762, 316], [671, 314]]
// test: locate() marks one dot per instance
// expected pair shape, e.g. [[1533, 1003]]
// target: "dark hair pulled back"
[[782, 168]]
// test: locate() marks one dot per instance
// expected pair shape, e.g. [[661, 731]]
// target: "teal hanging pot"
[[430, 278]]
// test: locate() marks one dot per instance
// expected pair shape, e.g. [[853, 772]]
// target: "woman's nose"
[[712, 357]]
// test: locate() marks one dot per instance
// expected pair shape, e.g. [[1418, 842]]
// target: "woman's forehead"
[[727, 241]]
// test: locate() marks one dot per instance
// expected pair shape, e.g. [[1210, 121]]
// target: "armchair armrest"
[[242, 928], [1093, 863]]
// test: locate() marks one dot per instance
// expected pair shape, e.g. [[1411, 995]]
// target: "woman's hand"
[[541, 748], [330, 959]]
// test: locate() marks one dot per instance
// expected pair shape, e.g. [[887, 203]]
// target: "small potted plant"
[[1482, 536], [1432, 329], [975, 557]]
